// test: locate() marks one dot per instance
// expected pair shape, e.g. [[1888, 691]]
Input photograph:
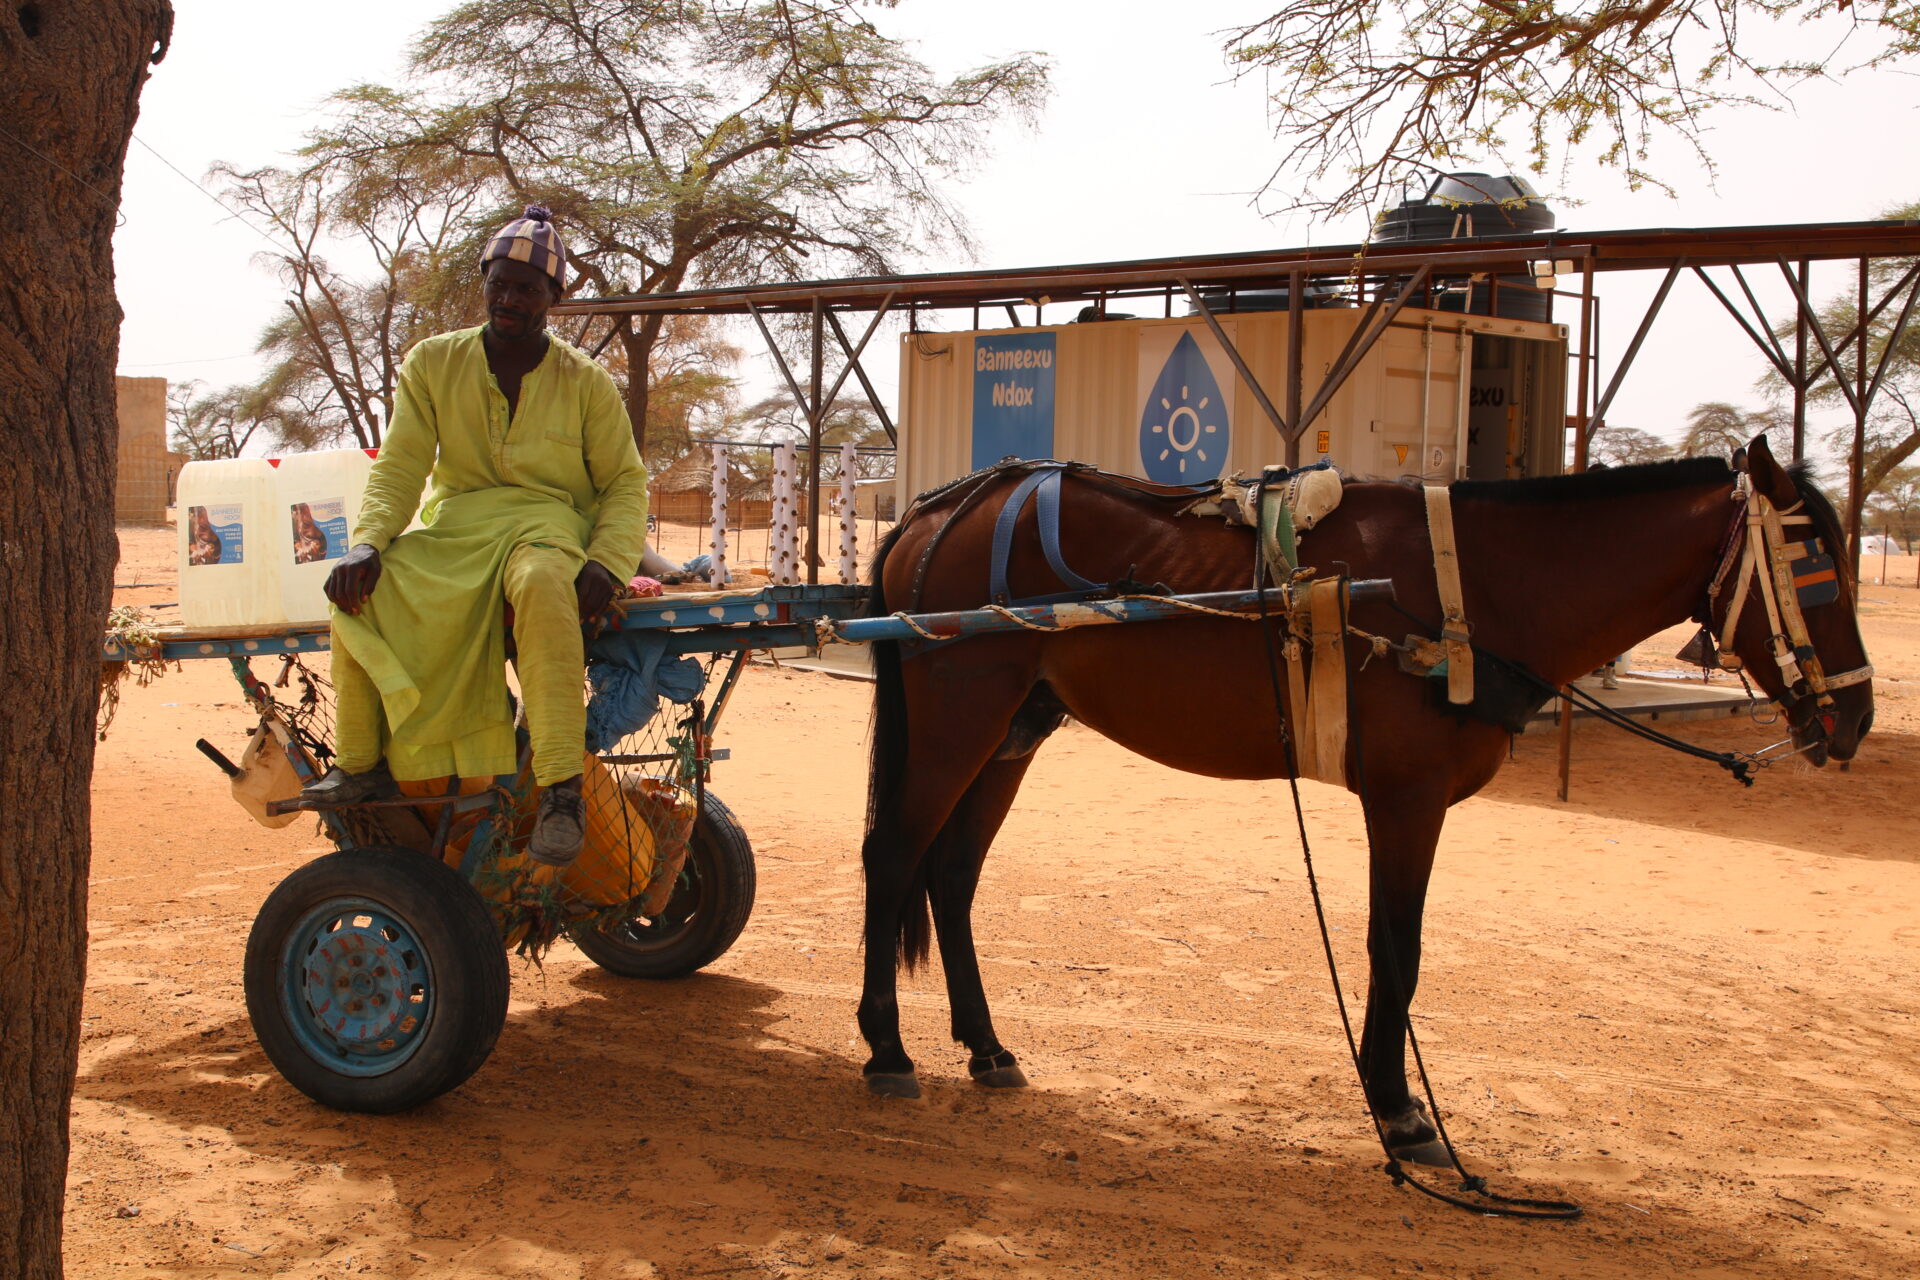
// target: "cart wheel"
[[376, 979], [706, 913]]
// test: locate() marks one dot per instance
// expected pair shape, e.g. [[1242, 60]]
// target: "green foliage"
[[1891, 432], [337, 350], [1626, 446], [1716, 428], [684, 143], [1895, 504], [1367, 88], [211, 424]]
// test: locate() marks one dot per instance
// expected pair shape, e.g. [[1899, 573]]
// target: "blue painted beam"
[[1055, 617]]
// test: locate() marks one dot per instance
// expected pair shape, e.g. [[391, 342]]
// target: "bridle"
[[1793, 574]]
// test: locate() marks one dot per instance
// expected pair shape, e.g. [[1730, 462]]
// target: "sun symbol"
[[1183, 431]]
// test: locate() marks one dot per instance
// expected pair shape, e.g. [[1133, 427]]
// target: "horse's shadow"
[[1863, 812], [701, 1124]]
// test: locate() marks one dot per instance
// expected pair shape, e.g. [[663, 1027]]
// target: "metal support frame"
[[817, 405], [1365, 334], [815, 425], [1633, 349], [1233, 354], [1582, 434], [1800, 379], [860, 372]]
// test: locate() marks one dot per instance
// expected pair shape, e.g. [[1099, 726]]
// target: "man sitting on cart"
[[539, 501]]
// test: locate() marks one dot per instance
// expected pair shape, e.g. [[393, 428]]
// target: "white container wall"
[[319, 503], [230, 523], [1440, 396]]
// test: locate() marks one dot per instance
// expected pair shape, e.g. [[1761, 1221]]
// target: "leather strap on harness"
[[1456, 634], [1044, 483], [1765, 556], [1317, 679]]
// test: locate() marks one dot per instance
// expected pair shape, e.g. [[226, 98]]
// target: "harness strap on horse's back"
[[1044, 486], [1455, 633]]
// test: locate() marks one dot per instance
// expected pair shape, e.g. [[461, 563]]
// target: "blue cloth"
[[702, 565], [629, 672]]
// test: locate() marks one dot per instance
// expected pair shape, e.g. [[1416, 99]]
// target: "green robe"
[[563, 472]]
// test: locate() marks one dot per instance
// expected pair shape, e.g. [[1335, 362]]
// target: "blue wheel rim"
[[357, 987]]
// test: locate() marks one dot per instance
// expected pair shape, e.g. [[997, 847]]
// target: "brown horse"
[[1560, 574]]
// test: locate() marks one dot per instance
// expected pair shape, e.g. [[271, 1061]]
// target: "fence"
[[761, 534]]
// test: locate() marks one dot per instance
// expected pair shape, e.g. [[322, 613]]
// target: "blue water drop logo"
[[1184, 426]]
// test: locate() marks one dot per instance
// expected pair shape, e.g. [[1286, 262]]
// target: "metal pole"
[[1856, 465], [1800, 373], [814, 426], [1233, 354], [1579, 464], [1296, 324]]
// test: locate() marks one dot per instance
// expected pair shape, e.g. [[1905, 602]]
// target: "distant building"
[[147, 470]]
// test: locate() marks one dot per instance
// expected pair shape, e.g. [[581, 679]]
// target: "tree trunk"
[[637, 340], [74, 69]]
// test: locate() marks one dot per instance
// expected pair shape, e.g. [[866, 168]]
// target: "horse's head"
[[1796, 632]]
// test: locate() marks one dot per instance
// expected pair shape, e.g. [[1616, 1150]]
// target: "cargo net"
[[641, 800]]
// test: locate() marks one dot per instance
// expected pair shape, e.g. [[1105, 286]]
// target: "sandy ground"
[[1687, 1006]]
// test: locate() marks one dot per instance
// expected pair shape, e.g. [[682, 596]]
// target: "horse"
[[1558, 574]]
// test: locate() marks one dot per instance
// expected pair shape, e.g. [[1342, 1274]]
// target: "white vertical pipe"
[[786, 525], [776, 518], [849, 517], [717, 547]]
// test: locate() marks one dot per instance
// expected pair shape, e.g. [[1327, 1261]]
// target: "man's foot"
[[342, 788], [560, 826]]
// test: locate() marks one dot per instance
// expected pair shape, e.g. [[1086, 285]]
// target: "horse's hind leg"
[[953, 873], [954, 722]]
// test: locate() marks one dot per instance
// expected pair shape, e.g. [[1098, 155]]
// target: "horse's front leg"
[[1402, 829]]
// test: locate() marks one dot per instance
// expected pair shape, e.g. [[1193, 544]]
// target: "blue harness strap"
[[1044, 485]]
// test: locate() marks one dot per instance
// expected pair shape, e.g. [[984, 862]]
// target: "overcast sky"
[[1146, 148]]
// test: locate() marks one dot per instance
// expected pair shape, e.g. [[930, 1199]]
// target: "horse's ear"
[[1769, 477], [1739, 460]]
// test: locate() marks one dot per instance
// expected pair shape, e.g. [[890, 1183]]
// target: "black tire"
[[412, 1002], [708, 909]]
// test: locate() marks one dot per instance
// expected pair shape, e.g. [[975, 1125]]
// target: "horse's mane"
[[1605, 482]]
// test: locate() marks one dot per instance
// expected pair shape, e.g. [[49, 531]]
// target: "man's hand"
[[354, 578], [595, 588]]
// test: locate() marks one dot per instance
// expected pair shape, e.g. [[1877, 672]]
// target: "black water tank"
[[1478, 206]]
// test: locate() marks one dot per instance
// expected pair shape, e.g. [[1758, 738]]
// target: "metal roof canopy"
[[1601, 250], [1382, 281]]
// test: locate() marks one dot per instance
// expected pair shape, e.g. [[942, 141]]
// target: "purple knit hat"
[[531, 239]]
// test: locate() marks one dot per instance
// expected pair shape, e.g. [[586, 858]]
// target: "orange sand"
[[1688, 1006]]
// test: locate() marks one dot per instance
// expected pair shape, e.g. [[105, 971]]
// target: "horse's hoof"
[[1010, 1077], [1432, 1153], [893, 1084]]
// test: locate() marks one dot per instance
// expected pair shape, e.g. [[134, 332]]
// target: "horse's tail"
[[887, 768]]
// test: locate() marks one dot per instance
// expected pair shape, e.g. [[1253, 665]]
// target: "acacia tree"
[[74, 71], [691, 142], [213, 424], [1875, 445], [1625, 446], [1716, 428], [1365, 89], [338, 348], [1896, 503]]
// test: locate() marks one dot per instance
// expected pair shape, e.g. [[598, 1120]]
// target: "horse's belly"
[[1198, 700]]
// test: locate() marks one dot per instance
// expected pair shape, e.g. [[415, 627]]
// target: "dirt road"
[[1687, 1006]]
